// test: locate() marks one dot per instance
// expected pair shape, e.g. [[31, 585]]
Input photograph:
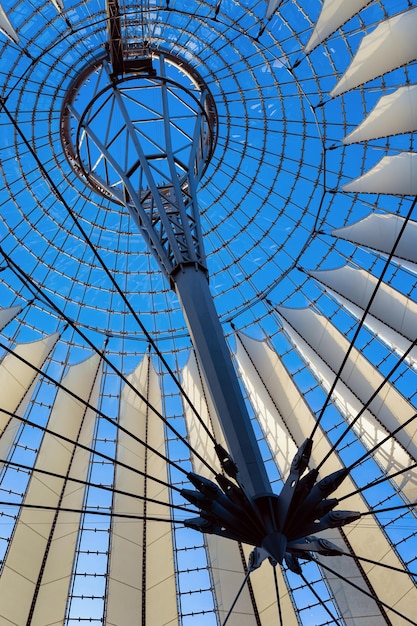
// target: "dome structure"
[[208, 312]]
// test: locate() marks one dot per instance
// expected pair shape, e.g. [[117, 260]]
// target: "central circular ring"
[[155, 126]]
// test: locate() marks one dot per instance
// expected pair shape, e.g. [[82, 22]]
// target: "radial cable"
[[63, 509], [369, 401], [322, 603], [236, 598], [381, 443], [274, 568], [387, 509], [87, 483], [379, 481], [112, 460], [372, 562], [382, 605]]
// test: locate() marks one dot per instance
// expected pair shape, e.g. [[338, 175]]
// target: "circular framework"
[[275, 197], [160, 108]]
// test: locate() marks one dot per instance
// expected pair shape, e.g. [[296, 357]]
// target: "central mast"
[[145, 139], [139, 126]]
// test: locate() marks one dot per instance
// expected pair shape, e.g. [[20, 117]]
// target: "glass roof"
[[271, 200]]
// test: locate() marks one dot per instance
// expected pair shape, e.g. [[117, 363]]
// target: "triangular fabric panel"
[[395, 175], [334, 14], [380, 231], [6, 26], [275, 396], [141, 581], [8, 314], [40, 556], [392, 316], [394, 114], [58, 4], [324, 347], [193, 385], [224, 555], [273, 5], [53, 592], [392, 44], [17, 379]]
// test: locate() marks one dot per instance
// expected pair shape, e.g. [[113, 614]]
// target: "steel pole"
[[192, 288]]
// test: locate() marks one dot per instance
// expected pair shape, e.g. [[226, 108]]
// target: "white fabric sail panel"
[[263, 371], [58, 4], [52, 597], [227, 574], [6, 315], [6, 26], [17, 380], [16, 376], [379, 231], [334, 13], [261, 366], [394, 114], [392, 44], [141, 570], [160, 581], [224, 555], [274, 428], [273, 5], [396, 175], [33, 532], [193, 385], [324, 348], [392, 316]]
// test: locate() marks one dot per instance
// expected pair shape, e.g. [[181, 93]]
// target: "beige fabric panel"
[[126, 574], [392, 316], [268, 375], [273, 6], [324, 347], [394, 114], [396, 175], [198, 437], [224, 555], [58, 4], [334, 13], [160, 574], [26, 554], [17, 383], [16, 377], [53, 593], [392, 44], [7, 27], [7, 314], [379, 231]]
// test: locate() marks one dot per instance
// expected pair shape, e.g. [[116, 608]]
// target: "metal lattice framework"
[[294, 163]]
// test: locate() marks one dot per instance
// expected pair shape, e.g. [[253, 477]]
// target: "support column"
[[191, 286]]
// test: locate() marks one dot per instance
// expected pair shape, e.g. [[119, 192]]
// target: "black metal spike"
[[197, 498], [206, 486], [204, 525], [333, 519], [324, 488], [226, 461], [298, 466], [292, 563], [301, 492]]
